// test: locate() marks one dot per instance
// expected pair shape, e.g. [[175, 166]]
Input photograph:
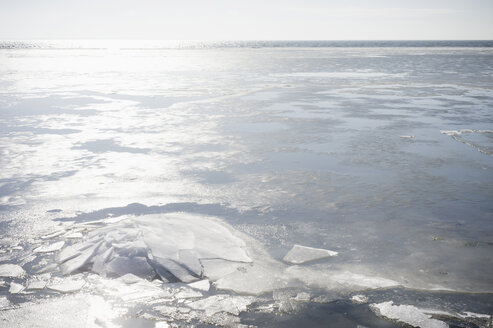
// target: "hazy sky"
[[246, 20]]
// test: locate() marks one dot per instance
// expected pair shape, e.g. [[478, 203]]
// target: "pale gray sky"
[[246, 20]]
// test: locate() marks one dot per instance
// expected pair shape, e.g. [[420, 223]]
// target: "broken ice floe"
[[359, 299], [36, 285], [11, 271], [222, 303], [4, 302], [302, 254], [75, 311], [289, 300], [49, 248], [67, 285], [408, 314], [188, 248], [481, 140], [16, 288], [171, 246], [203, 285]]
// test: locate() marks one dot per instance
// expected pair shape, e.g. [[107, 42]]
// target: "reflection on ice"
[[336, 149]]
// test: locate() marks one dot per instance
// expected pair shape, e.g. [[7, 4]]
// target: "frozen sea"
[[270, 184]]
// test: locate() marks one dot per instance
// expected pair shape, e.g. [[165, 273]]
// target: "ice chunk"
[[49, 248], [222, 303], [189, 258], [54, 234], [302, 254], [67, 286], [75, 311], [407, 314], [74, 235], [164, 265], [255, 279], [203, 285], [302, 297], [188, 293], [80, 260], [476, 315], [335, 279], [217, 268], [4, 302], [207, 236], [359, 299], [36, 285], [72, 251], [139, 291], [173, 245], [11, 271], [15, 288], [100, 260], [131, 248], [356, 279], [161, 324], [138, 266], [129, 279]]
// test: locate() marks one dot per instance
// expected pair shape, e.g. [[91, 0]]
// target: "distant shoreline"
[[189, 44]]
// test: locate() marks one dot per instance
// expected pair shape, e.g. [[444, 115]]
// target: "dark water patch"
[[212, 177], [141, 209], [109, 145], [339, 314]]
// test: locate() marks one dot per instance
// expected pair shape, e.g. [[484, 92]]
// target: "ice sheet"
[[16, 288], [203, 285], [170, 245], [49, 248], [67, 285]]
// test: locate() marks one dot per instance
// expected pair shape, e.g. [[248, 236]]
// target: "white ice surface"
[[203, 285], [11, 271], [4, 303], [222, 303], [16, 288], [49, 248], [302, 254], [188, 293], [477, 315], [78, 311], [170, 243], [203, 247], [79, 260], [67, 285], [359, 299], [36, 285], [408, 314]]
